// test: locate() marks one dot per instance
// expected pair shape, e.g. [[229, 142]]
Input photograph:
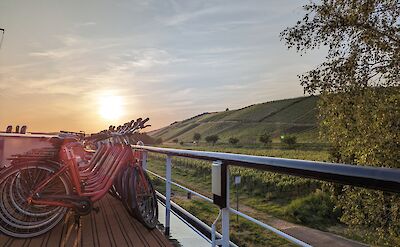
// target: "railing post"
[[225, 211], [220, 190], [144, 160], [168, 196]]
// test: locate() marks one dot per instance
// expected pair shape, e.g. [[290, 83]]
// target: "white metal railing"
[[224, 213], [384, 179]]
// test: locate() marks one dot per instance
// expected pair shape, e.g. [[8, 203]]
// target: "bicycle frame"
[[94, 180], [57, 173]]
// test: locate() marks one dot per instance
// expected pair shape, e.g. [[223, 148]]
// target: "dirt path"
[[306, 234], [313, 236]]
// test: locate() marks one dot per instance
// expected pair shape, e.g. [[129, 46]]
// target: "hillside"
[[297, 116]]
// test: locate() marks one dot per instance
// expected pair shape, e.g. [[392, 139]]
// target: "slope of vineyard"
[[295, 116]]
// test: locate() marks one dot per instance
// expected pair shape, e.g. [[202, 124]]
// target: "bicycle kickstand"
[[74, 223], [78, 227], [77, 221]]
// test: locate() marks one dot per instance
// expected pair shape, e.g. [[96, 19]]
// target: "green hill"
[[296, 116]]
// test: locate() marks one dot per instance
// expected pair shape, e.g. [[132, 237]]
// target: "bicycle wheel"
[[20, 219], [126, 190], [145, 197], [116, 188]]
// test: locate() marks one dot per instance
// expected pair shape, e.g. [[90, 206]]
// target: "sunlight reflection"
[[111, 107]]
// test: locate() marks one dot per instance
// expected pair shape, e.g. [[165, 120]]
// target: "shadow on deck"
[[112, 226]]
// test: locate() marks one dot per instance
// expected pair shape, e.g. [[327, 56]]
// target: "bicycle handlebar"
[[124, 130]]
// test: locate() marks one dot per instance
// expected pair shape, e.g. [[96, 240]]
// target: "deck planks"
[[112, 226]]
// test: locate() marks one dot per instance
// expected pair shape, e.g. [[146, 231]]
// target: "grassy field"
[[291, 116]]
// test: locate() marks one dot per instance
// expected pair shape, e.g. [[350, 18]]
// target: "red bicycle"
[[37, 192]]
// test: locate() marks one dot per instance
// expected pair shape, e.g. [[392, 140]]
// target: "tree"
[[212, 139], [265, 138], [196, 137], [290, 141], [359, 85], [233, 140], [363, 41]]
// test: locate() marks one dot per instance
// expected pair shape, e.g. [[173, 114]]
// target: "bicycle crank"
[[83, 207]]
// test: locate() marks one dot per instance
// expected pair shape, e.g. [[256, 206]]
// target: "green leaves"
[[360, 101], [363, 127], [363, 41]]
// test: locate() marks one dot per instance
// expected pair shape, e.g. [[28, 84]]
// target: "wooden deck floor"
[[112, 226]]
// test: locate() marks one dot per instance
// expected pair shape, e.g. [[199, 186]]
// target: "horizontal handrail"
[[379, 178]]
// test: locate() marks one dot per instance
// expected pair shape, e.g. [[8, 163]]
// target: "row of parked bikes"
[[41, 186]]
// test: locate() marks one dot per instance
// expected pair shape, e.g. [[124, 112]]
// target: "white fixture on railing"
[[216, 178]]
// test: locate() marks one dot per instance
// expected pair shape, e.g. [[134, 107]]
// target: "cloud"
[[225, 15], [187, 16], [150, 57], [235, 86], [86, 24], [12, 69], [136, 66], [58, 53], [70, 40], [77, 46]]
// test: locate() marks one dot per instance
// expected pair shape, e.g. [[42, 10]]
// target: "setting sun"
[[110, 107]]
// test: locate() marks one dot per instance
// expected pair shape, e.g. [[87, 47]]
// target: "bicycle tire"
[[126, 190], [22, 222], [116, 189], [146, 201]]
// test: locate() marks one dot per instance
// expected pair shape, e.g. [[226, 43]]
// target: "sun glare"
[[111, 107]]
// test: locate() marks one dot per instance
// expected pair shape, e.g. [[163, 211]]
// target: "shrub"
[[265, 138], [175, 140], [233, 140], [196, 137], [290, 141], [316, 210], [212, 139]]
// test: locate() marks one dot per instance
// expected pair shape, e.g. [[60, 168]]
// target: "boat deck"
[[111, 226]]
